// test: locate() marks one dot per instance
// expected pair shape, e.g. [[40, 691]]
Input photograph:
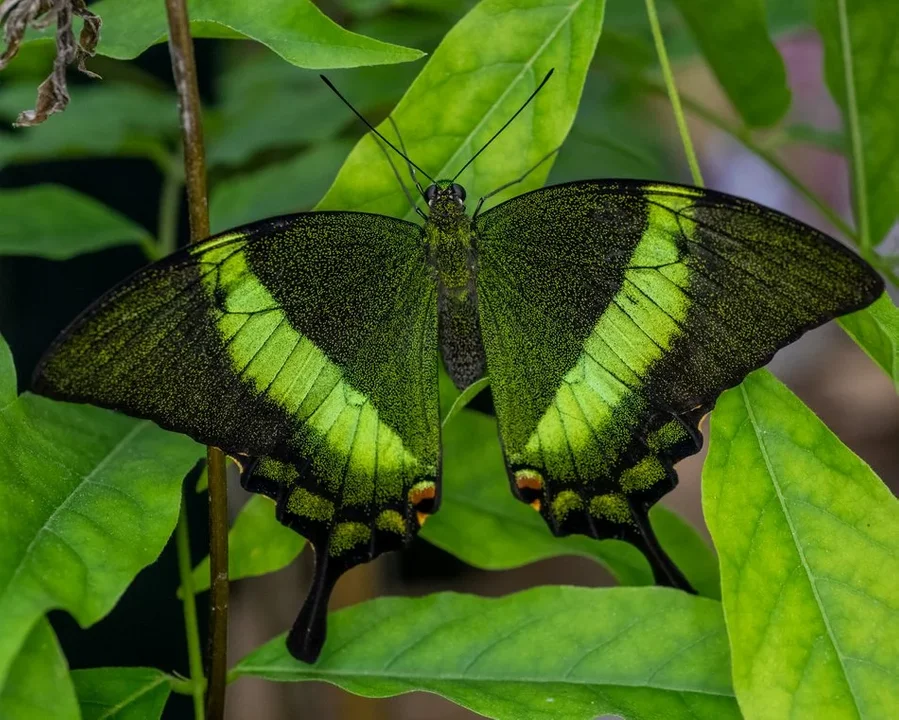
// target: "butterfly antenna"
[[508, 122], [372, 127], [399, 179]]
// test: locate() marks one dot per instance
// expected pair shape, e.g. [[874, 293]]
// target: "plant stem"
[[672, 93], [191, 628], [218, 585], [169, 207], [184, 69], [859, 180], [745, 138]]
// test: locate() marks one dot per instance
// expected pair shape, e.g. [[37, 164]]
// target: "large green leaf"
[[874, 60], [734, 39], [476, 79], [114, 118], [121, 693], [481, 522], [257, 544], [252, 115], [876, 330], [88, 499], [546, 653], [55, 222], [38, 686], [276, 189], [806, 533], [294, 29]]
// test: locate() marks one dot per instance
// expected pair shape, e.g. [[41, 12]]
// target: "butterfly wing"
[[304, 345], [614, 313]]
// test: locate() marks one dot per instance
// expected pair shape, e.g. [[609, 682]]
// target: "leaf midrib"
[[811, 577]]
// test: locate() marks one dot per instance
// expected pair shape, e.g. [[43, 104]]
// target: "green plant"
[[804, 610]]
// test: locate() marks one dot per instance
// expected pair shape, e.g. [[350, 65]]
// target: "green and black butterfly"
[[608, 314]]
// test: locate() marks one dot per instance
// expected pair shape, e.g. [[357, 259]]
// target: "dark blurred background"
[[276, 139]]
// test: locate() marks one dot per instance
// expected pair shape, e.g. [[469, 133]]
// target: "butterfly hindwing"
[[306, 347], [614, 313]]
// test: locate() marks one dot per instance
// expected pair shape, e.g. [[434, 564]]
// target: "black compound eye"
[[458, 191], [430, 193]]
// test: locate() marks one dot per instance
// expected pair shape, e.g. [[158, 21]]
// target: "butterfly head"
[[446, 201]]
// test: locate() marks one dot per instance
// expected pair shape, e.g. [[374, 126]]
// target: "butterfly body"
[[450, 236]]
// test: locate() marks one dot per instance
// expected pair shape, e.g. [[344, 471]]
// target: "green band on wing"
[[338, 427], [600, 400]]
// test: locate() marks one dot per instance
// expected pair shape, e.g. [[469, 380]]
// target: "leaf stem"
[[183, 686], [859, 179], [672, 93], [191, 628], [745, 138], [169, 207], [184, 70]]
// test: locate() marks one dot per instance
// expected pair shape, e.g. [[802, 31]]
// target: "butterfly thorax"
[[450, 235]]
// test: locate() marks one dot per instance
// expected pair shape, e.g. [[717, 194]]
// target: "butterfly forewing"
[[306, 345], [614, 313]]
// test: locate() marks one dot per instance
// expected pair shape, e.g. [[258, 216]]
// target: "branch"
[[184, 70]]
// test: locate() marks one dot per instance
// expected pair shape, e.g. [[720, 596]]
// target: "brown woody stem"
[[184, 69]]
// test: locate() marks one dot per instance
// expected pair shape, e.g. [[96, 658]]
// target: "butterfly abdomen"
[[454, 260]]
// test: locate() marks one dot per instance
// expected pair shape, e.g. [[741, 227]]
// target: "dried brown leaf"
[[16, 16]]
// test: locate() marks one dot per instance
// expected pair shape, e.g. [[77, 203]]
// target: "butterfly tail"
[[307, 636], [664, 570]]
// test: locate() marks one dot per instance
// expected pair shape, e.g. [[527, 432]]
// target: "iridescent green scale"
[[609, 316]]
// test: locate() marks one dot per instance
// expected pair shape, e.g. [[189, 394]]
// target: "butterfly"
[[608, 315]]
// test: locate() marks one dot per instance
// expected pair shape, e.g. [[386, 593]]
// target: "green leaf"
[[113, 118], [546, 653], [88, 499], [734, 39], [876, 330], [276, 189], [294, 29], [121, 693], [465, 397], [38, 686], [614, 135], [481, 523], [8, 390], [252, 115], [481, 73], [874, 61], [257, 544], [806, 533], [55, 222]]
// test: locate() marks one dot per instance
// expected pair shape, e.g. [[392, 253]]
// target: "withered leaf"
[[16, 16]]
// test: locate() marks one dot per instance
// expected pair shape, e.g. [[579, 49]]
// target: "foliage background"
[[276, 140]]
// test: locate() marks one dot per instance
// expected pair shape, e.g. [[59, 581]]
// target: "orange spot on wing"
[[419, 494], [422, 518], [528, 479], [536, 505]]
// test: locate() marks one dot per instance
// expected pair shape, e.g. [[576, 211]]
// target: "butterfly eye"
[[458, 191], [430, 193]]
